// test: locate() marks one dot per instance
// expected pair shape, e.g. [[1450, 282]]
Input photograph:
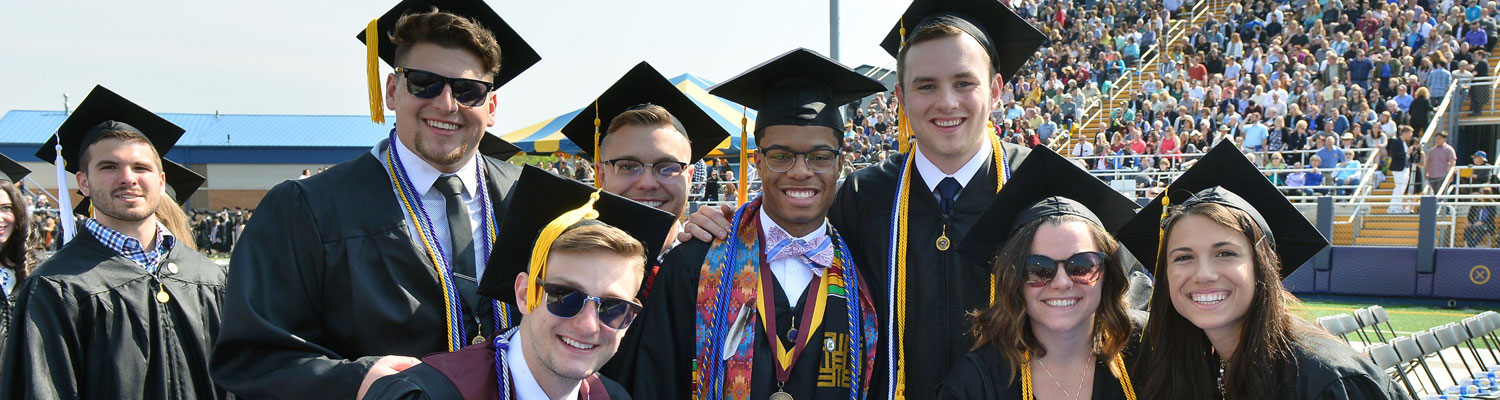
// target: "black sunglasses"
[[1082, 268], [566, 302], [424, 84]]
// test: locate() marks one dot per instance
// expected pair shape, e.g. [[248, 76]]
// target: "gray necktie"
[[462, 252]]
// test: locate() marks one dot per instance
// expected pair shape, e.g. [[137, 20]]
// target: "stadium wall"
[[1392, 272]]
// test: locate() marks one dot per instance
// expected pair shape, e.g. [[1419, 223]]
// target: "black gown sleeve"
[[43, 357], [663, 367], [1358, 387], [420, 382], [968, 379], [272, 323]]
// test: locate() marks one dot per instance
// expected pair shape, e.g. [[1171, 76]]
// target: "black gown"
[[87, 324], [985, 375], [465, 374], [667, 330], [326, 280], [942, 286], [1328, 369]]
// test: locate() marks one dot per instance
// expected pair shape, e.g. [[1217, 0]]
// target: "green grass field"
[[1405, 319]]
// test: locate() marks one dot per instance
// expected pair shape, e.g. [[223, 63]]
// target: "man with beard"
[[345, 276], [127, 309]]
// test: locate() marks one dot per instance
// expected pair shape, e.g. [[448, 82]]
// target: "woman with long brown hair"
[[1057, 325], [1222, 325], [16, 256]]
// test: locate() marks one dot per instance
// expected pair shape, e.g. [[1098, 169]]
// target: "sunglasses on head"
[[566, 302], [424, 84], [1082, 268]]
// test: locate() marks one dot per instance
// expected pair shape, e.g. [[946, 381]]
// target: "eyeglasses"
[[566, 302], [819, 161], [424, 84], [663, 171], [1082, 268]]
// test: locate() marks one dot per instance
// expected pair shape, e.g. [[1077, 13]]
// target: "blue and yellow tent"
[[546, 137]]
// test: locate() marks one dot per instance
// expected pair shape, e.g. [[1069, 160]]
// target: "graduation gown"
[[667, 331], [468, 374], [941, 286], [87, 325], [984, 374], [1328, 369], [327, 280]]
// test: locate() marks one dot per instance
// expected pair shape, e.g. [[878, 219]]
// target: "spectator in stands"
[[1329, 156], [1398, 152], [1481, 219], [305, 174], [1314, 175], [1421, 109], [1439, 161], [1439, 78], [1276, 162], [1482, 173], [1348, 174]]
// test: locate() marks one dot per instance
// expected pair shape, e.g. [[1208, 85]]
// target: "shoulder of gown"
[[979, 374], [1330, 369]]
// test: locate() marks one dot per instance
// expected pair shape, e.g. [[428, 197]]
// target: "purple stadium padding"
[[1466, 274], [1301, 281], [1374, 271]]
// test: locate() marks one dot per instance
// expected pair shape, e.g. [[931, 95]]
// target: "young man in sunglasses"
[[573, 265], [778, 309], [345, 276]]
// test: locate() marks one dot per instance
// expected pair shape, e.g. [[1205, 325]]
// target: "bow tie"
[[818, 252]]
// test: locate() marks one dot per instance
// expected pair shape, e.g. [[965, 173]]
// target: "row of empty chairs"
[[1403, 356]]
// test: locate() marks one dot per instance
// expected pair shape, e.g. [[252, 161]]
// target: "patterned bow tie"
[[819, 252]]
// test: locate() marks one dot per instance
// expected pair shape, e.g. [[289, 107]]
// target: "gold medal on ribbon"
[[478, 339], [942, 240], [163, 297], [781, 395]]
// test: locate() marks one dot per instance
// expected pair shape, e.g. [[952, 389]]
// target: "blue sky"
[[300, 57]]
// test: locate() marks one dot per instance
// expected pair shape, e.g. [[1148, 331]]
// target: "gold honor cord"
[[597, 174], [372, 71], [1161, 233], [538, 268], [1116, 366], [743, 189], [902, 207]]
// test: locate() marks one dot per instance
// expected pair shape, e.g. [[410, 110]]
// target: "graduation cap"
[[641, 86], [496, 147], [515, 54], [799, 87], [183, 181], [1044, 185], [103, 110], [1009, 39], [13, 170], [1224, 176], [532, 222]]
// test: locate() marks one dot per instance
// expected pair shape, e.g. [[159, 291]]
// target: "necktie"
[[462, 251], [818, 253], [948, 192]]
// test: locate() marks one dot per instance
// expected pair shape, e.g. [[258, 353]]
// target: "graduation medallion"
[[478, 339], [163, 297], [942, 242], [781, 395]]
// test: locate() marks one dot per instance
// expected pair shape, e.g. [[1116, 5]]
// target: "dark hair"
[[449, 31], [1005, 324], [1179, 354], [15, 252], [119, 134]]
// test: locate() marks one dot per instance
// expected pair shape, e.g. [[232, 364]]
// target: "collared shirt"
[[130, 247], [423, 178], [793, 273], [932, 175], [526, 385]]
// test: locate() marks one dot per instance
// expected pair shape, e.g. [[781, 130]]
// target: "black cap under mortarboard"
[[100, 111], [800, 88], [13, 170], [548, 197], [1224, 176], [641, 86], [183, 181], [1044, 185], [1009, 39], [496, 147], [515, 54]]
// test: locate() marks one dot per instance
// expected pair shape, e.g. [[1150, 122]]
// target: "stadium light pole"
[[833, 29]]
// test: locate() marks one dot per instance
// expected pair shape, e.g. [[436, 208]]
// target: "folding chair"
[[1333, 326], [1462, 330], [1479, 328], [1367, 319], [1449, 337], [1408, 350], [1385, 357], [1352, 324], [1382, 317], [1428, 341]]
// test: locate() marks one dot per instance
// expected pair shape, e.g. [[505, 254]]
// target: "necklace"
[[1076, 391], [1222, 393]]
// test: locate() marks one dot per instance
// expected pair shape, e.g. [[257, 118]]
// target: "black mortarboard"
[[100, 111], [800, 87], [13, 170], [1224, 176], [1045, 184], [641, 86], [496, 147], [515, 54], [551, 196], [183, 181], [1009, 39]]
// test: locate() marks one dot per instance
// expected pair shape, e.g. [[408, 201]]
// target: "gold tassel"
[[743, 188], [903, 126], [597, 184], [538, 268], [1161, 233], [372, 71]]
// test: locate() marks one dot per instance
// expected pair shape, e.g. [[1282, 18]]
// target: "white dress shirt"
[[793, 273], [423, 177], [526, 386], [931, 175]]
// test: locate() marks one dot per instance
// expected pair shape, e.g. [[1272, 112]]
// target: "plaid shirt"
[[130, 247]]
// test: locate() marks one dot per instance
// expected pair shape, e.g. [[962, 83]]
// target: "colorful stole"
[[727, 288], [411, 205], [896, 345]]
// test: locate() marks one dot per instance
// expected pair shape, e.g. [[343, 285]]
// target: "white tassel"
[[64, 200]]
